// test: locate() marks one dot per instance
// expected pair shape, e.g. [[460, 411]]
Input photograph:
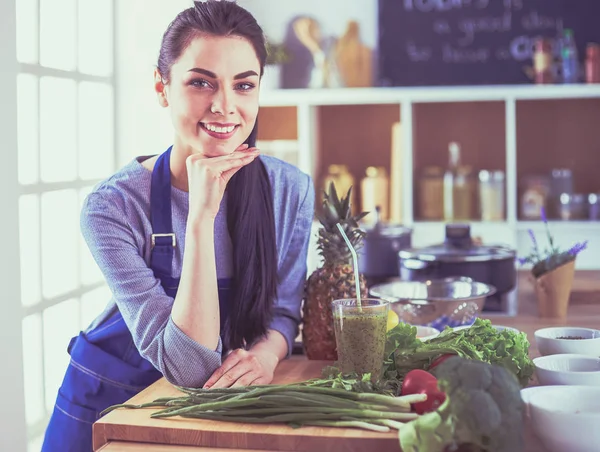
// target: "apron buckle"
[[171, 234]]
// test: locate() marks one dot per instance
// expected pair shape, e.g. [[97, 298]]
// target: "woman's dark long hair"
[[250, 217]]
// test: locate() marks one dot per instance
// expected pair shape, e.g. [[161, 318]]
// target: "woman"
[[204, 247]]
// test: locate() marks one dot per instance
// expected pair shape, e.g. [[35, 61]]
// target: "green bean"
[[261, 411], [294, 404], [210, 407], [366, 425], [129, 405], [317, 420], [288, 417], [387, 422], [297, 398], [337, 412]]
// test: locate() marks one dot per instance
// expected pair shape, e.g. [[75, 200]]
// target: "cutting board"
[[138, 426], [353, 58]]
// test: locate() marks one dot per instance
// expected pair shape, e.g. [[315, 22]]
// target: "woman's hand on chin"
[[208, 177]]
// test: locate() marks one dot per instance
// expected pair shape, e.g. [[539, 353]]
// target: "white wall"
[[143, 127], [13, 432], [332, 15]]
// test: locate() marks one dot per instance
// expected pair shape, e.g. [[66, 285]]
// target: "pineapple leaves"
[[334, 199], [331, 244], [345, 207], [359, 217]]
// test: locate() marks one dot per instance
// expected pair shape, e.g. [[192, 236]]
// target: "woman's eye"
[[245, 86], [200, 83]]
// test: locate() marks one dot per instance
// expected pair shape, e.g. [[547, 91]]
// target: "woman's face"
[[213, 94]]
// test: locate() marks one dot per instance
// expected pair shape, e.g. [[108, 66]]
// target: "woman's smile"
[[219, 130]]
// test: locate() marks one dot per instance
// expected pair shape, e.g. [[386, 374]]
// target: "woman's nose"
[[223, 103]]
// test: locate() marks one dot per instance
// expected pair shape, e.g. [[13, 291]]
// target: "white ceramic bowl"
[[568, 370], [564, 418], [425, 333], [549, 343]]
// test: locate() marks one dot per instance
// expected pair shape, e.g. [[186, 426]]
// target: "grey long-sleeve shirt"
[[115, 222]]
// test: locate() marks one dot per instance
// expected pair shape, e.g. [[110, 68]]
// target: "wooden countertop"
[[138, 426], [134, 430]]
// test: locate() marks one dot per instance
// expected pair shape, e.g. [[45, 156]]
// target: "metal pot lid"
[[389, 230], [384, 229], [448, 253], [458, 246]]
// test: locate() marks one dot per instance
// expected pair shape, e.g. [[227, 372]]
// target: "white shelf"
[[511, 232], [363, 96], [557, 226]]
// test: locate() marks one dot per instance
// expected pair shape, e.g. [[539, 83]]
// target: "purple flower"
[[532, 235], [577, 248], [543, 214], [523, 260]]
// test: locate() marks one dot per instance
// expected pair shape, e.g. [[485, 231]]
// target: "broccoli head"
[[483, 411]]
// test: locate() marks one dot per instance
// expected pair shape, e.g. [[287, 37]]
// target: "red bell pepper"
[[419, 381], [440, 359]]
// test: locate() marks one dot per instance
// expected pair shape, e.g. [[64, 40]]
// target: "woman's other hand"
[[208, 177], [244, 368]]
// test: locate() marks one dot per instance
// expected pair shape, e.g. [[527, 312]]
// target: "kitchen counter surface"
[[134, 430]]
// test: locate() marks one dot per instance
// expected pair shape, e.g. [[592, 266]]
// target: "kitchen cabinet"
[[520, 130]]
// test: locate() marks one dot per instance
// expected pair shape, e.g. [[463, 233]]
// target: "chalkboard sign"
[[474, 42]]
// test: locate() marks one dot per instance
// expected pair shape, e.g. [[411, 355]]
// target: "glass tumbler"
[[360, 335]]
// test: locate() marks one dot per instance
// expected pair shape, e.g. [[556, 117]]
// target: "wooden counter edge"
[[126, 446]]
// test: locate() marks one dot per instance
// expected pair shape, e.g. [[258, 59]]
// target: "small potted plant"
[[552, 272], [277, 55]]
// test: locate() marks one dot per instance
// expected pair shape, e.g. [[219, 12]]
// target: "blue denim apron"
[[106, 367]]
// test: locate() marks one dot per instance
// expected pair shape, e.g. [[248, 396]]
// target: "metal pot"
[[460, 256], [378, 260]]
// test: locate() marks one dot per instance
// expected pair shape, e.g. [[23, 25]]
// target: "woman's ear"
[[160, 88]]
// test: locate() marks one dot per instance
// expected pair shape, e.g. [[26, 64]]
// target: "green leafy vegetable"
[[332, 377], [481, 342], [483, 411]]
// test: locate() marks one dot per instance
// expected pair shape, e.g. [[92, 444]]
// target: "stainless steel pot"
[[378, 260], [460, 256]]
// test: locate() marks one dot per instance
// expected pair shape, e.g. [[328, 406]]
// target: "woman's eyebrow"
[[213, 75], [203, 71], [244, 75]]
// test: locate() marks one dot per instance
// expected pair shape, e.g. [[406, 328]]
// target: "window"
[[66, 144]]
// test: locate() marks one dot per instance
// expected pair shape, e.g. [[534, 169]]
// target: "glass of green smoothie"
[[360, 334]]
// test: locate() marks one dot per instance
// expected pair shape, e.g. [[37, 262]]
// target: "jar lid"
[[593, 49], [459, 247], [491, 176], [561, 172], [433, 171]]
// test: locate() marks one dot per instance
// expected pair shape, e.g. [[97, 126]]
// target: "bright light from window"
[[57, 31], [58, 128]]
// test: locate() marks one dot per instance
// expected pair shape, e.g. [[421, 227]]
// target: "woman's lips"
[[219, 132]]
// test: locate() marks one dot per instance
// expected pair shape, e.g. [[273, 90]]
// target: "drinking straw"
[[355, 263]]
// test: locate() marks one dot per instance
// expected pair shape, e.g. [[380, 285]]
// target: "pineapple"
[[335, 279]]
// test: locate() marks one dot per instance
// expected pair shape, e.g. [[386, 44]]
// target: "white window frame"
[[13, 430], [12, 413]]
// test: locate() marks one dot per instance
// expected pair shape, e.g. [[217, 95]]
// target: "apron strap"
[[163, 238]]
